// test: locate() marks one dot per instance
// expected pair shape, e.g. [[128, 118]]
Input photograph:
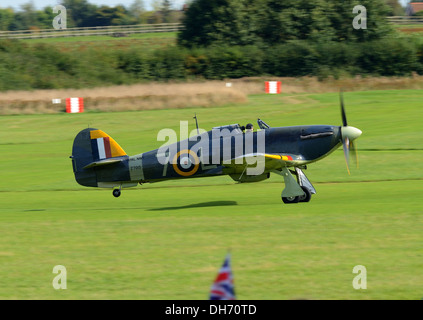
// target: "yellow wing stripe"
[[273, 156], [278, 157]]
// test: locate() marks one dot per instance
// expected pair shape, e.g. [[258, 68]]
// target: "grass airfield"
[[168, 240]]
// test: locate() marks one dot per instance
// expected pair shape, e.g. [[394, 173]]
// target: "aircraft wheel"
[[307, 196], [116, 193], [288, 200]]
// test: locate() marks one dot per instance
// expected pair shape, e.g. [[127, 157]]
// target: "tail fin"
[[91, 148], [103, 146]]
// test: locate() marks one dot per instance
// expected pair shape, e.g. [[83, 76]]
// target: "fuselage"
[[99, 161], [304, 144]]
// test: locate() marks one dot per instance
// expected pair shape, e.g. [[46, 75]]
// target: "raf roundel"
[[186, 163]]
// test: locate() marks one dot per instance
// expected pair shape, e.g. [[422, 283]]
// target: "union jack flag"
[[223, 286]]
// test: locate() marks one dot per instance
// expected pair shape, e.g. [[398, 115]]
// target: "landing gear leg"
[[305, 184], [292, 191], [299, 190]]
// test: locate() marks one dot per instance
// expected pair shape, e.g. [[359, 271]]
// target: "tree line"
[[84, 14], [41, 66], [230, 39], [271, 22], [81, 13]]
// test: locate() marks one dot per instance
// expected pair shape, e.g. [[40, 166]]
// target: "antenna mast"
[[196, 123]]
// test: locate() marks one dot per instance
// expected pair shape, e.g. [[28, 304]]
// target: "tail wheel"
[[116, 193], [307, 195], [290, 199]]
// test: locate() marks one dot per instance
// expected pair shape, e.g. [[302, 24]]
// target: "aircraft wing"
[[262, 160]]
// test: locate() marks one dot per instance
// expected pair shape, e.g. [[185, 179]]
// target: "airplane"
[[99, 161]]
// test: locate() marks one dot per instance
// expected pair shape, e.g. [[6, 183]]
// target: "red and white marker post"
[[273, 87], [74, 105]]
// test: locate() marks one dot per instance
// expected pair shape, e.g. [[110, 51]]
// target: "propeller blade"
[[354, 153], [344, 116], [348, 136], [346, 147]]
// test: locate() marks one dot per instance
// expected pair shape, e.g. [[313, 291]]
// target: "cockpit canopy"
[[229, 128], [237, 129]]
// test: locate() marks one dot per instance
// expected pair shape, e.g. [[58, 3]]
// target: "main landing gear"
[[296, 190], [306, 197]]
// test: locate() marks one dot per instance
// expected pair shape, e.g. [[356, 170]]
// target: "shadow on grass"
[[199, 205]]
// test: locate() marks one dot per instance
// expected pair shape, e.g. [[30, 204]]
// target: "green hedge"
[[41, 66]]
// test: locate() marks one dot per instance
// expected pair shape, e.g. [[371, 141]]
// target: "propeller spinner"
[[348, 134]]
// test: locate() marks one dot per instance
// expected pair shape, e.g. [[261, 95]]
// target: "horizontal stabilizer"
[[102, 163]]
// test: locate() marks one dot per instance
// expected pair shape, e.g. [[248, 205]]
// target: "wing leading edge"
[[271, 161]]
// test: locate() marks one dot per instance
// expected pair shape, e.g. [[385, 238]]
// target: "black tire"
[[289, 200], [307, 196], [116, 193]]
